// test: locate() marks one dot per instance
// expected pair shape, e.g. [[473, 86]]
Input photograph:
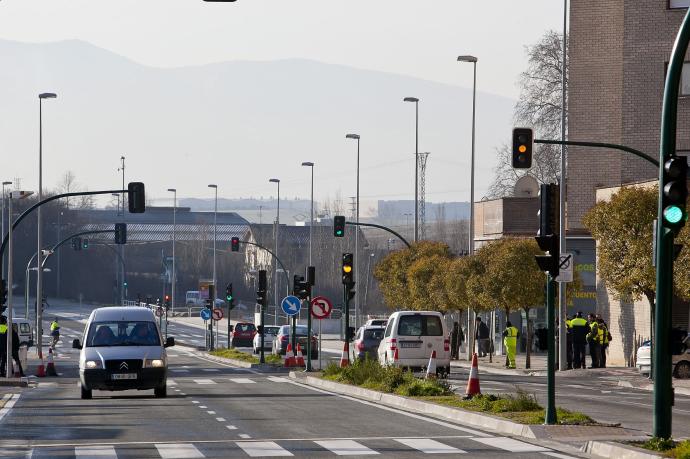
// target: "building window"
[[673, 4]]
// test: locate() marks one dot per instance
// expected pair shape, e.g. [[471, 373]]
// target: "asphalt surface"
[[216, 410]]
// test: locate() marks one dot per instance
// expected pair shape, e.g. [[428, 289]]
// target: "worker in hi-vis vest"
[[510, 335]]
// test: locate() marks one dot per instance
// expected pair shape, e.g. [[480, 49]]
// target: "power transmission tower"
[[422, 194]]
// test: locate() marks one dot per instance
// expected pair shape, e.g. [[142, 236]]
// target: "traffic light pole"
[[612, 146], [308, 357], [287, 279], [385, 228], [212, 300], [346, 299], [550, 416]]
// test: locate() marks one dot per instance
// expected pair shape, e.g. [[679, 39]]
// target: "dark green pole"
[[262, 356], [346, 299], [663, 396], [550, 417], [308, 356], [294, 331]]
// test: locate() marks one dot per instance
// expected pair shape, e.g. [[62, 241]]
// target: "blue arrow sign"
[[291, 305], [205, 313]]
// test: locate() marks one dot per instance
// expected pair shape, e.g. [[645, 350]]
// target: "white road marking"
[[346, 447], [179, 370], [231, 427], [8, 406], [558, 455], [204, 381], [244, 436], [277, 379], [95, 452], [220, 419], [195, 402], [429, 446], [263, 448], [172, 382], [203, 407], [211, 412], [242, 380], [183, 393], [510, 444], [210, 369], [178, 451]]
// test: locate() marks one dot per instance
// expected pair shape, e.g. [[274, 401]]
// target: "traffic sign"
[[159, 312], [205, 314], [565, 267], [321, 307], [291, 305], [217, 314]]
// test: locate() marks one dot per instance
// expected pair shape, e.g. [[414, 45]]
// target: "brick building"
[[619, 51]]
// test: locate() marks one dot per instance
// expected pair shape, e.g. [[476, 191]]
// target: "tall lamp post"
[[473, 61], [215, 230], [39, 259], [275, 258], [311, 213], [10, 308], [356, 257], [416, 164], [174, 236], [4, 184], [562, 303]]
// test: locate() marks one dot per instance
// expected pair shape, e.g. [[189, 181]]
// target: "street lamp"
[[174, 278], [4, 184], [416, 164], [311, 218], [275, 251], [356, 257], [39, 259], [10, 308], [215, 229]]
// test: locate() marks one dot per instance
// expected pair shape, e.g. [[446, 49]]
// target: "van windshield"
[[122, 333], [420, 325]]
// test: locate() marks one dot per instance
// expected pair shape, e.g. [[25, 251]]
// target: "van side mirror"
[[76, 344], [169, 341]]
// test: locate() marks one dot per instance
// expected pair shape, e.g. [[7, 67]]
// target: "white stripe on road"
[[178, 370], [95, 452], [262, 448], [429, 446], [8, 406], [242, 380], [178, 451], [172, 382], [204, 381], [510, 444], [558, 455], [220, 419], [346, 447], [231, 427], [210, 369], [211, 412], [277, 379], [244, 436]]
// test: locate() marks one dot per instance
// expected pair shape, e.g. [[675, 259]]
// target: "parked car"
[[367, 341], [376, 323], [242, 334], [410, 339], [122, 350], [680, 359], [284, 336], [270, 331]]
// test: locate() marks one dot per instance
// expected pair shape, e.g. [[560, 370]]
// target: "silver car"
[[122, 349]]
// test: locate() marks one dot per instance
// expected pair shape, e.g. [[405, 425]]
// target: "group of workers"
[[3, 347]]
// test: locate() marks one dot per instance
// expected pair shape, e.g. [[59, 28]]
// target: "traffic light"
[[675, 193], [137, 197], [547, 237], [228, 293], [523, 142], [348, 270], [76, 243], [235, 244], [85, 244], [120, 233], [301, 288], [339, 226], [261, 292]]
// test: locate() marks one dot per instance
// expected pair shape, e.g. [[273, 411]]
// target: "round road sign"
[[205, 313], [217, 314], [159, 312], [291, 305], [320, 307]]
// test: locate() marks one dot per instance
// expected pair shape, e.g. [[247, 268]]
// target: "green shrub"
[[682, 450]]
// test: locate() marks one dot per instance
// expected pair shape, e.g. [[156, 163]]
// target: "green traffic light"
[[339, 232], [229, 298], [673, 214]]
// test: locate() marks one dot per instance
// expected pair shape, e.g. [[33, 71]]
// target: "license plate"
[[120, 376], [410, 344]]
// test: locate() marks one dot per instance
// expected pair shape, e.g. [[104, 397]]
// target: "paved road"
[[216, 410]]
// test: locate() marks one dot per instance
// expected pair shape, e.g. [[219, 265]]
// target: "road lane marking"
[[263, 449], [95, 452], [558, 455], [244, 436], [203, 407], [179, 370], [195, 401], [242, 380], [178, 451], [211, 412], [204, 381], [210, 369], [172, 382], [278, 379], [429, 446], [346, 447], [231, 427], [220, 419], [9, 405], [510, 444]]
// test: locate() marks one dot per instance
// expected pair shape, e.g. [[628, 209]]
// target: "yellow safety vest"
[[568, 324], [511, 336], [601, 334], [54, 326], [3, 329], [578, 322]]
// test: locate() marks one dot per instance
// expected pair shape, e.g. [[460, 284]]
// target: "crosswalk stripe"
[[277, 379], [242, 380], [178, 451], [510, 444], [429, 446], [346, 447], [179, 370], [95, 452], [204, 381], [263, 448]]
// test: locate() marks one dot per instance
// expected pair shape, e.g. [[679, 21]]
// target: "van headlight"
[[154, 363], [91, 364]]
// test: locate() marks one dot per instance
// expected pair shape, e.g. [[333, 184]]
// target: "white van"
[[193, 298], [415, 335], [122, 349]]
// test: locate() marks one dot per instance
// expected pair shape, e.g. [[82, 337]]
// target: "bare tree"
[[539, 107]]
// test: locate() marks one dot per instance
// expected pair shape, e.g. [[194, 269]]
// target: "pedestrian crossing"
[[180, 378], [329, 447]]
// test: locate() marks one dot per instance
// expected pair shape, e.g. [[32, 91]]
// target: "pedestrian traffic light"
[[261, 292], [235, 244], [228, 293], [120, 233], [348, 270], [85, 243], [675, 193], [549, 201], [523, 142], [136, 197], [339, 226]]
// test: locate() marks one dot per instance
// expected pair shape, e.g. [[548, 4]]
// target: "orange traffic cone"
[[299, 360], [473, 381], [345, 356], [431, 367], [41, 370], [50, 370], [289, 357]]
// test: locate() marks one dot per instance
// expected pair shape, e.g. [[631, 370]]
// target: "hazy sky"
[[415, 38]]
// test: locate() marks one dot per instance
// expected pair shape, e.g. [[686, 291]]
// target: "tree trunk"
[[528, 347]]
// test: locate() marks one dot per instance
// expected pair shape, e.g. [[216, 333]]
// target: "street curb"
[[456, 415], [498, 371], [243, 364], [650, 387], [617, 450], [14, 382]]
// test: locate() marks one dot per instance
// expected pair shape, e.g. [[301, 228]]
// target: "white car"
[[680, 359], [410, 339], [270, 331]]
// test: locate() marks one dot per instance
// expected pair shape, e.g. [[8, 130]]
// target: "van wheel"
[[683, 370], [161, 392], [86, 394]]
